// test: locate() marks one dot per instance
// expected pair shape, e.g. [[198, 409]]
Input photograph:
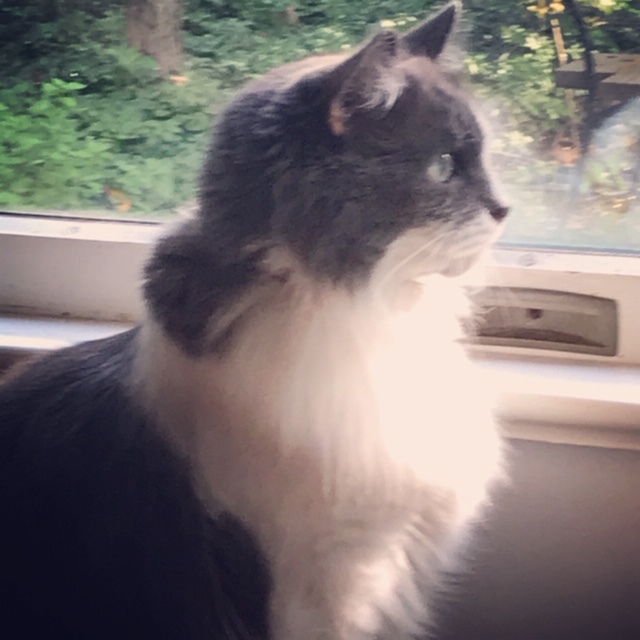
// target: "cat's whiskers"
[[381, 283], [446, 243]]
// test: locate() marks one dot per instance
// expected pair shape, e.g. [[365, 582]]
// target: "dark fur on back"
[[101, 534]]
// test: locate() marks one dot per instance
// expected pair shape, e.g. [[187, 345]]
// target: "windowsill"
[[57, 268], [58, 226], [579, 403], [80, 268], [36, 335]]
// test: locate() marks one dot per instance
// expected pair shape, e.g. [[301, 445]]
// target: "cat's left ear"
[[430, 38], [364, 81]]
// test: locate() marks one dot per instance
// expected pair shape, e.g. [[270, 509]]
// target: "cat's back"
[[101, 528]]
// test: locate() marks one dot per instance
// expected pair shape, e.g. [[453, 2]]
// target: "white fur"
[[388, 88], [346, 429]]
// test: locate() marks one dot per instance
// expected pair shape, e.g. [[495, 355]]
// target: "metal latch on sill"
[[541, 319]]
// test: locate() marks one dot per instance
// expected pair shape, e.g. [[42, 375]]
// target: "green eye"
[[441, 168]]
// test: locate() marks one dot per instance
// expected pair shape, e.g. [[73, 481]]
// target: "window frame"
[[61, 266], [75, 278]]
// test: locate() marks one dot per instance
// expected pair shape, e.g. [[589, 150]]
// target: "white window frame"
[[63, 280]]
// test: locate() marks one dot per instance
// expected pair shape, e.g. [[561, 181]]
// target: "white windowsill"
[[80, 268], [57, 268], [576, 403], [35, 335]]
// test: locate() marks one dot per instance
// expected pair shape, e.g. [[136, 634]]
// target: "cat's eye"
[[440, 169]]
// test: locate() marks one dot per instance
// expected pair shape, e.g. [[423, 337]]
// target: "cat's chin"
[[458, 267]]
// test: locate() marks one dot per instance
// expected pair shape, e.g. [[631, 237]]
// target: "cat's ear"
[[364, 81], [430, 38]]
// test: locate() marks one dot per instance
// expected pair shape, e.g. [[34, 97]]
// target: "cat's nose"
[[498, 212]]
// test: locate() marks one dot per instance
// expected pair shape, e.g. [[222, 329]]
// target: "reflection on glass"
[[565, 199], [106, 106]]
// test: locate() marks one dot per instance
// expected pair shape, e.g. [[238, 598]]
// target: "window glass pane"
[[106, 105]]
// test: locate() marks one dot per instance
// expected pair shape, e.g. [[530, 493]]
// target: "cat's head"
[[358, 160]]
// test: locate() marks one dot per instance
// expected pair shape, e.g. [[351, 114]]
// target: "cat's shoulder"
[[102, 529]]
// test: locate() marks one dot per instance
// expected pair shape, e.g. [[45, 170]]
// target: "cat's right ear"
[[430, 38], [363, 81]]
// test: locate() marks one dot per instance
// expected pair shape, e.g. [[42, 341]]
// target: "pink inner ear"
[[358, 69], [337, 118], [355, 80]]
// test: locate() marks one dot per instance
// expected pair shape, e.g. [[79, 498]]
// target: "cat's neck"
[[358, 381]]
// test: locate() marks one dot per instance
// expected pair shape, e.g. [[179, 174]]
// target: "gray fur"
[[278, 174]]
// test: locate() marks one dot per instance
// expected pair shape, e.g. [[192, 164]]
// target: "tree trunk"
[[155, 28]]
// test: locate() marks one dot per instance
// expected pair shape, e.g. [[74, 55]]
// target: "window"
[[104, 120], [106, 107]]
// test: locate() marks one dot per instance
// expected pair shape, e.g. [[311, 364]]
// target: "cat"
[[291, 443]]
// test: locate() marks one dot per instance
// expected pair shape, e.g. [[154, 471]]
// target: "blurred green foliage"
[[83, 116]]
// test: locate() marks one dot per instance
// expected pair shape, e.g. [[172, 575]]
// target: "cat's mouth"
[[469, 245], [459, 266], [446, 249]]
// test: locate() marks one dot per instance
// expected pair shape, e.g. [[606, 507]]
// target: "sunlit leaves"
[[543, 8]]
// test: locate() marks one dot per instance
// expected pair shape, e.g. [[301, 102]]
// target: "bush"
[[84, 115], [44, 159]]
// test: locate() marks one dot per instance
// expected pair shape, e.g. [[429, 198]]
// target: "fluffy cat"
[[291, 442]]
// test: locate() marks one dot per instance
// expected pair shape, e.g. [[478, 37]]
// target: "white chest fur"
[[354, 442]]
